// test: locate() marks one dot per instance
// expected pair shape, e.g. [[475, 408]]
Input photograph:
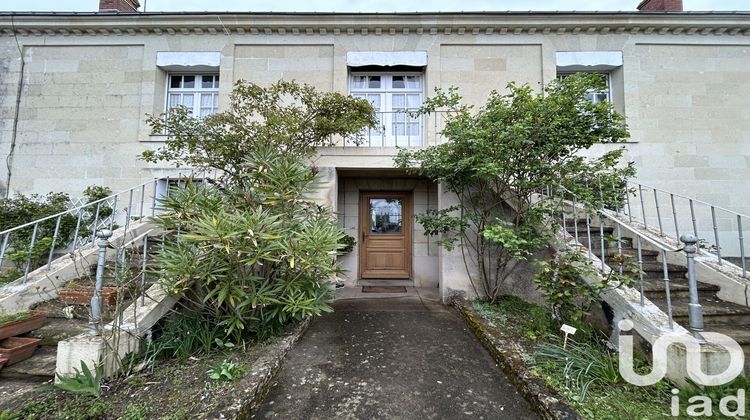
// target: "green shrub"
[[252, 251], [346, 244], [570, 297], [182, 337], [22, 209], [501, 155]]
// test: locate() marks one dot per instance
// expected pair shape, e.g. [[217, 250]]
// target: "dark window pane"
[[385, 215], [216, 81], [188, 82], [175, 82], [398, 82], [374, 82], [207, 82]]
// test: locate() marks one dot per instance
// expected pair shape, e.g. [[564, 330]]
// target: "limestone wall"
[[83, 106]]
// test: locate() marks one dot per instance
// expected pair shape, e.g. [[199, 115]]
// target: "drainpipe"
[[9, 158]]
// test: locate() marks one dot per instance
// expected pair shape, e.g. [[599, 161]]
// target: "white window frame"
[[197, 91], [607, 78], [386, 136]]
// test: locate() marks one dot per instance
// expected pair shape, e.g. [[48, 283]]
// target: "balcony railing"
[[399, 129]]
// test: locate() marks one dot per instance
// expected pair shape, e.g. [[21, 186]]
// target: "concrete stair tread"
[[711, 307], [656, 285], [658, 266], [59, 329], [593, 229], [740, 333], [42, 363]]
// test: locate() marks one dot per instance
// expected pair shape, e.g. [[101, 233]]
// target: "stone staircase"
[[719, 316], [69, 320]]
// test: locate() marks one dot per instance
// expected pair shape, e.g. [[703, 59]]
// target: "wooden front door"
[[385, 235]]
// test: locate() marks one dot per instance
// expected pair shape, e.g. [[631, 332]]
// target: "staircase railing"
[[578, 217], [116, 210], [721, 231]]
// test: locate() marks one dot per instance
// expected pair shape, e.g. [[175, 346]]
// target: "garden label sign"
[[568, 330]]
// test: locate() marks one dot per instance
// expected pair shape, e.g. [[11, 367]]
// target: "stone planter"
[[82, 295], [16, 349], [22, 326]]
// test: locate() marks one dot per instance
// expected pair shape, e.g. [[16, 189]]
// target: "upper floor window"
[[596, 96], [199, 93], [395, 96]]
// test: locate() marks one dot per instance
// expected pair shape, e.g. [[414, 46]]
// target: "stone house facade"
[[75, 88]]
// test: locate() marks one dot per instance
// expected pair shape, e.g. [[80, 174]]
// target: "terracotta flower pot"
[[83, 295], [16, 349], [22, 326]]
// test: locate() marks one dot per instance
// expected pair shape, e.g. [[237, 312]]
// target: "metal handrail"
[[122, 201], [576, 206], [71, 210], [385, 130], [695, 200], [651, 200]]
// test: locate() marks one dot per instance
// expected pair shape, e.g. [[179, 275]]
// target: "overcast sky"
[[363, 5]]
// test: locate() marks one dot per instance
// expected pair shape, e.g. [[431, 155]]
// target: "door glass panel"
[[414, 101], [398, 102], [385, 215]]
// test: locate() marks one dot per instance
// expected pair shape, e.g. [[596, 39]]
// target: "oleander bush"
[[252, 250]]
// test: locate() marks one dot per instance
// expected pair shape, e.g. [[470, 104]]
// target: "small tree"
[[253, 250], [507, 152]]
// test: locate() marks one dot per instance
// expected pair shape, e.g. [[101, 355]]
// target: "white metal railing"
[[114, 211], [721, 231], [629, 242], [400, 129]]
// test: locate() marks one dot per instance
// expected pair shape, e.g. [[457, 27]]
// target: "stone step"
[[609, 243], [41, 364], [715, 312], [581, 228], [656, 286], [646, 254], [740, 334], [59, 329]]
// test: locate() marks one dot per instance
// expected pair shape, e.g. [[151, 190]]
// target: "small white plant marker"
[[568, 330]]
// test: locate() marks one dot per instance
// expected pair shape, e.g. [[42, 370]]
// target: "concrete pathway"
[[397, 358]]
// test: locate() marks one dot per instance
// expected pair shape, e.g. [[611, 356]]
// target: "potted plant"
[[16, 349], [21, 323], [346, 244]]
